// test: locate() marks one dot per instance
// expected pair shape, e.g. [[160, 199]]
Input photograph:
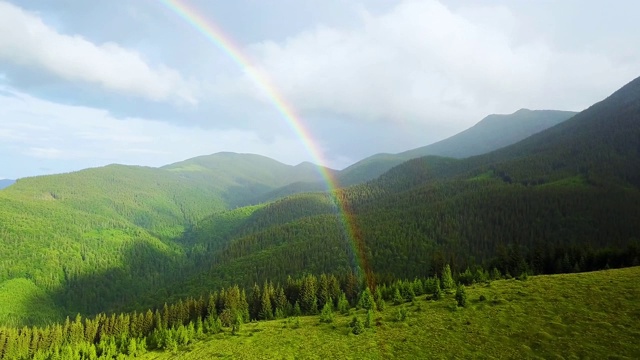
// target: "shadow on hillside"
[[148, 279]]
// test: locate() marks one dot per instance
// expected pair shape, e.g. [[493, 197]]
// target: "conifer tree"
[[199, 328], [235, 328], [369, 320], [447, 278], [461, 296], [255, 302], [132, 347], [211, 306], [309, 300], [281, 303], [366, 300], [296, 309], [343, 304], [266, 312], [323, 290], [437, 293], [334, 289], [326, 315], [397, 297], [379, 300], [357, 327]]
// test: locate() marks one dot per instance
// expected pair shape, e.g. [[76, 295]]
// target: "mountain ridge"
[[517, 208], [6, 183], [560, 205], [492, 132]]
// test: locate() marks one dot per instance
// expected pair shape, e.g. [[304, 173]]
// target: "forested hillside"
[[563, 200], [491, 133], [112, 237], [240, 179], [122, 238]]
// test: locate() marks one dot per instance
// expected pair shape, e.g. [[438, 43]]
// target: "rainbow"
[[223, 42]]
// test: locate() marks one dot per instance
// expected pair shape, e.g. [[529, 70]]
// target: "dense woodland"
[[122, 239], [186, 321]]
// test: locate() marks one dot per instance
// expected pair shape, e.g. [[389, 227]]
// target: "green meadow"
[[592, 315]]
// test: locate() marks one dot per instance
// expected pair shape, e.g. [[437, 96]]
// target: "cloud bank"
[[423, 62], [26, 40], [39, 133]]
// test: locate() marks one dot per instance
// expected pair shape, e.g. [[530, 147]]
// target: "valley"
[[552, 193]]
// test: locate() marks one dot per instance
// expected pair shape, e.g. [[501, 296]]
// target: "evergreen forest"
[[130, 261]]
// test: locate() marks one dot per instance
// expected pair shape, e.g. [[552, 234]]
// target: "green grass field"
[[572, 316]]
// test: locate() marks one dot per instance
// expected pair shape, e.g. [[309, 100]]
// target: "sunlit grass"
[[589, 315]]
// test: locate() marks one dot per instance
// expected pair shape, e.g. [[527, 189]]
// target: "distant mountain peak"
[[491, 133], [6, 182]]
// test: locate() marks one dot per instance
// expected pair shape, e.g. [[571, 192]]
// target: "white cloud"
[[26, 40], [422, 62], [65, 138], [45, 153]]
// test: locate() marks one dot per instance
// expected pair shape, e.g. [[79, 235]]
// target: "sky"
[[88, 83]]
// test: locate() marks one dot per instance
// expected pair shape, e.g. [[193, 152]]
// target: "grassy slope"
[[588, 315]]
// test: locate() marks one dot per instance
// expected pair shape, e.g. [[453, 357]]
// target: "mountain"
[[491, 133], [562, 200], [128, 238], [5, 182], [123, 223], [243, 177]]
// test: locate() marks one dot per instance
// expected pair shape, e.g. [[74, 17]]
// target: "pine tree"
[[379, 300], [76, 331], [401, 314], [132, 348], [437, 292], [351, 288], [326, 315], [142, 346], [357, 327], [411, 295], [191, 331], [255, 302], [235, 328], [418, 287], [369, 320], [461, 296], [309, 300], [244, 306], [323, 290], [211, 306], [343, 304], [281, 303], [366, 300], [199, 328], [447, 278], [334, 289], [296, 309], [397, 297], [266, 312]]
